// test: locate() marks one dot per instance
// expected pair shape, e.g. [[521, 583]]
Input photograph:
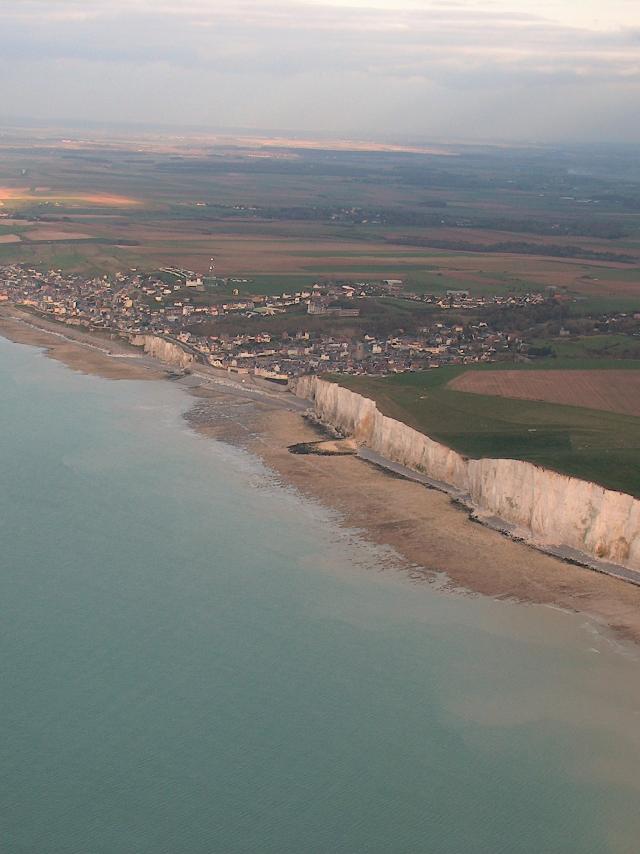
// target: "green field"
[[592, 346], [268, 285], [599, 446]]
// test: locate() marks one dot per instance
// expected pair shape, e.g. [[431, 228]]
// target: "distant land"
[[373, 262]]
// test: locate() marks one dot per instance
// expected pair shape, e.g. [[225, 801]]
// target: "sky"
[[513, 70]]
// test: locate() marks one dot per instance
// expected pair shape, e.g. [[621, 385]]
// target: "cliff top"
[[588, 443]]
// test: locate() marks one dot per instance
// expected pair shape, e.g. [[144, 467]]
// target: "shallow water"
[[195, 659]]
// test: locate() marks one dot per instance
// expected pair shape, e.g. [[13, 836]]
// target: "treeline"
[[508, 318], [604, 229], [546, 320], [552, 250], [411, 218]]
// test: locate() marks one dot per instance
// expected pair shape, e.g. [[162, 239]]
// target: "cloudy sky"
[[431, 69]]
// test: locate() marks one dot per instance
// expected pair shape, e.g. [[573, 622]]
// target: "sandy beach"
[[77, 349], [431, 534]]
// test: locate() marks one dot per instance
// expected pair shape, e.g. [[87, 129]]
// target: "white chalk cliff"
[[546, 508], [165, 351]]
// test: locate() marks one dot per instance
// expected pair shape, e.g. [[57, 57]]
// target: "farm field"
[[608, 391], [16, 197], [482, 220], [288, 249], [591, 444], [608, 346]]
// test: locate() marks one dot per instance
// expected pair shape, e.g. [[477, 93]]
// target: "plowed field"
[[610, 390]]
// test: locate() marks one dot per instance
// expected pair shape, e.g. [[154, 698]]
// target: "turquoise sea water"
[[196, 660]]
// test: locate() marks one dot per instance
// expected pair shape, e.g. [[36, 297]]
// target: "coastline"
[[78, 350], [435, 537]]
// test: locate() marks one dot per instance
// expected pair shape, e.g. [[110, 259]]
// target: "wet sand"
[[434, 536]]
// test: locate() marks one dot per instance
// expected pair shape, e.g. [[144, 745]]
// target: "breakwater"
[[543, 507]]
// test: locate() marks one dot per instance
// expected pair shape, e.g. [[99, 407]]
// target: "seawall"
[[548, 509]]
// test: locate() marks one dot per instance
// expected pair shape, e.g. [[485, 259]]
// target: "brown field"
[[55, 234], [24, 194], [9, 238], [293, 247], [610, 390]]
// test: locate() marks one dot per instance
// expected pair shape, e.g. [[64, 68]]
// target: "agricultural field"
[[608, 391], [596, 445], [608, 346], [491, 221], [21, 197]]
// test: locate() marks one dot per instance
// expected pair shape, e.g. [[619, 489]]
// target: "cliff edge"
[[163, 350], [548, 509]]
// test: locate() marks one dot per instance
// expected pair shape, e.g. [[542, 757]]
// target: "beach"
[[435, 538], [102, 356]]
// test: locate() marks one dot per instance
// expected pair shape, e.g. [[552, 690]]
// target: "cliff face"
[[547, 508], [165, 351]]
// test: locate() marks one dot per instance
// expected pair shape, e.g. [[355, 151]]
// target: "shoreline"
[[82, 351], [76, 348], [437, 537], [432, 535], [564, 553]]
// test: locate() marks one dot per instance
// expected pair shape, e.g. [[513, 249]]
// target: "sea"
[[196, 659]]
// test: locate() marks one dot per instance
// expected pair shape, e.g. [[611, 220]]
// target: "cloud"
[[335, 50], [272, 38]]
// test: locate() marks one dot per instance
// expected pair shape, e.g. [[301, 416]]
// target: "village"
[[182, 307]]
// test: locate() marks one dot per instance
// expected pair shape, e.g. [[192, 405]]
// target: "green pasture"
[[591, 346]]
